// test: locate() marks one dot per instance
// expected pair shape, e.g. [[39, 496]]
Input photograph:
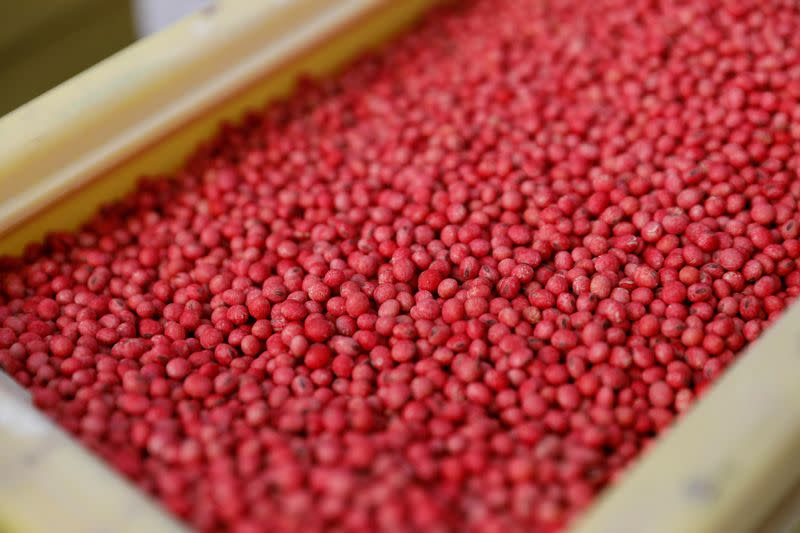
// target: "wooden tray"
[[729, 465]]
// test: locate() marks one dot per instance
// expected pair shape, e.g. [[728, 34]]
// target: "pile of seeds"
[[458, 287]]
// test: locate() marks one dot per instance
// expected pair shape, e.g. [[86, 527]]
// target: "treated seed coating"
[[459, 287]]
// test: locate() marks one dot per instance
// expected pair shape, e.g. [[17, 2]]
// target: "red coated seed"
[[197, 385], [473, 276]]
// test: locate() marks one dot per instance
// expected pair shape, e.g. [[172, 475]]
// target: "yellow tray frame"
[[728, 465]]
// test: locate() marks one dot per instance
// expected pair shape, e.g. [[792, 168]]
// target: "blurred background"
[[44, 42]]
